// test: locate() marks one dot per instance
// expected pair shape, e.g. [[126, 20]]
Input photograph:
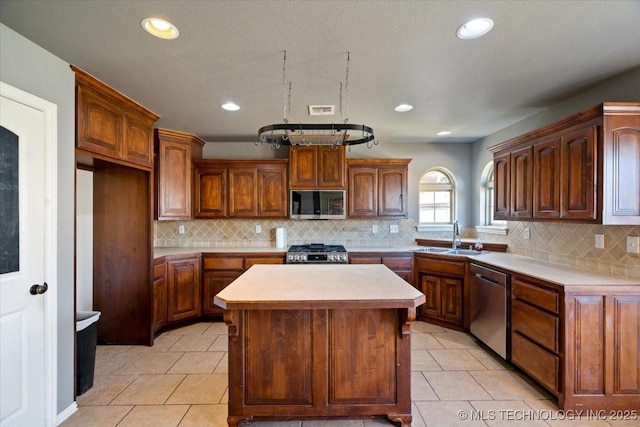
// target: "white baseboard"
[[70, 410]]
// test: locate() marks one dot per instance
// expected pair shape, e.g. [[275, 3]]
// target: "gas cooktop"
[[317, 253]]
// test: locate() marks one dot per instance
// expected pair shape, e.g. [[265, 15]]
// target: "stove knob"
[[330, 258]]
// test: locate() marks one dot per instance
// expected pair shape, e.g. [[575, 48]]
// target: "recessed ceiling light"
[[403, 108], [230, 106], [474, 28], [160, 28], [443, 133]]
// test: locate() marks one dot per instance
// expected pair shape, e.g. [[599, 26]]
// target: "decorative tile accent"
[[564, 244]]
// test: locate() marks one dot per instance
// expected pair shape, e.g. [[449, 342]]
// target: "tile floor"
[[182, 381]]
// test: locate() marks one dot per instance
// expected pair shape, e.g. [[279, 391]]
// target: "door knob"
[[38, 289]]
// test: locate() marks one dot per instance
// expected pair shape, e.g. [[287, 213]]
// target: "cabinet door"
[[174, 180], [546, 179], [272, 192], [214, 282], [331, 167], [501, 185], [451, 303], [578, 172], [210, 193], [159, 303], [430, 287], [243, 192], [303, 166], [622, 170], [138, 142], [392, 188], [100, 124], [363, 191], [183, 283], [521, 183]]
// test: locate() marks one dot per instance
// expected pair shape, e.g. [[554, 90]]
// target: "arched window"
[[437, 197], [487, 202]]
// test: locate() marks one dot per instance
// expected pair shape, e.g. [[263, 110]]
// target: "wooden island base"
[[319, 363]]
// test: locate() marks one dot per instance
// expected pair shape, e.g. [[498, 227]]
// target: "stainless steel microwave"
[[317, 204]]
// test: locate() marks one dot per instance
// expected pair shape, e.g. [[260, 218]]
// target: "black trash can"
[[86, 340]]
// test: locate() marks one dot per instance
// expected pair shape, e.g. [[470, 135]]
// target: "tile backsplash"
[[565, 244]]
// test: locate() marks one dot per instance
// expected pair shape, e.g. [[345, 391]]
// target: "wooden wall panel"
[[362, 365], [589, 367], [278, 347], [626, 359]]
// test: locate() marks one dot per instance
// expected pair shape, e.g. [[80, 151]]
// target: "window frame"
[[451, 186]]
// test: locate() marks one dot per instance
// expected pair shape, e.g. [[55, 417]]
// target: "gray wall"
[[624, 87], [30, 68]]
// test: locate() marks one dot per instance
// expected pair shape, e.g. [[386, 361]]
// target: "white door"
[[25, 359]]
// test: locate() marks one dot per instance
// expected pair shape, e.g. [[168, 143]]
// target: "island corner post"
[[337, 346]]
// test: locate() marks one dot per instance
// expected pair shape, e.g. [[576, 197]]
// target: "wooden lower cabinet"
[[222, 269], [214, 282], [602, 350], [183, 288], [442, 281], [535, 330], [400, 263], [581, 343], [294, 364]]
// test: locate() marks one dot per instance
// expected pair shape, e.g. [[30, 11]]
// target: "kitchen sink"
[[463, 252], [449, 251], [433, 250]]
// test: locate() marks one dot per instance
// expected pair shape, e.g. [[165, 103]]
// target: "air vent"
[[322, 110]]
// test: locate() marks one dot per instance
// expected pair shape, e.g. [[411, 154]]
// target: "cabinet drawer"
[[537, 362], [365, 260], [249, 262], [230, 263], [397, 263], [159, 270], [536, 325], [540, 297], [439, 266]]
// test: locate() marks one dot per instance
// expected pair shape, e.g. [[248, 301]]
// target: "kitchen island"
[[319, 341]]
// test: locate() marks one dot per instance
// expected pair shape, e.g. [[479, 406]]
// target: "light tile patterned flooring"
[[182, 381]]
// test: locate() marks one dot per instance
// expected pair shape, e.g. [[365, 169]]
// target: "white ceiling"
[[538, 53]]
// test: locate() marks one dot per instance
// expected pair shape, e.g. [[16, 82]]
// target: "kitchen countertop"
[[319, 286], [554, 273], [543, 270]]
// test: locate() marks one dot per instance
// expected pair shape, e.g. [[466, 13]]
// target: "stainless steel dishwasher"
[[489, 320]]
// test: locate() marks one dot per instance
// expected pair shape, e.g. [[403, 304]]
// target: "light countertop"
[[319, 286], [554, 273], [543, 270]]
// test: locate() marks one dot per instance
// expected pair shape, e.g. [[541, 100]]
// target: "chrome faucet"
[[456, 240]]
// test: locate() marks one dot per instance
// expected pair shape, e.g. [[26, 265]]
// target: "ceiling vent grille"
[[322, 110]]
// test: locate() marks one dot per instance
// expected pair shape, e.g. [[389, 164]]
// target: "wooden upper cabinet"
[[502, 186], [392, 190], [377, 188], [577, 174], [240, 189], [273, 193], [546, 185], [210, 190], [317, 166], [585, 168], [173, 164], [110, 126], [363, 192], [621, 166], [243, 192], [521, 183]]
